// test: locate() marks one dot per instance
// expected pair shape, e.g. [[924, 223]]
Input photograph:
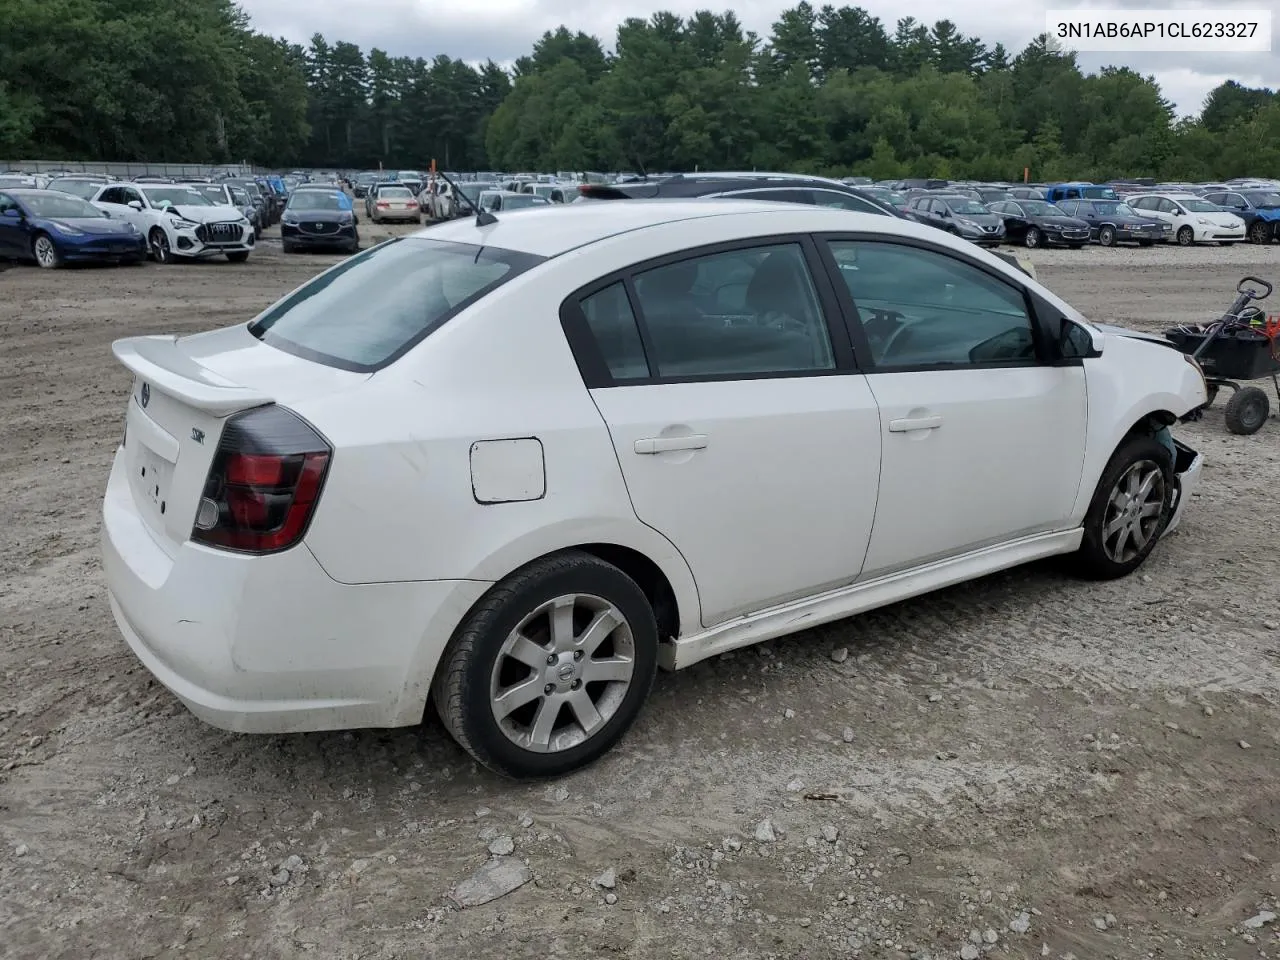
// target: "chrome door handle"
[[919, 423], [664, 444]]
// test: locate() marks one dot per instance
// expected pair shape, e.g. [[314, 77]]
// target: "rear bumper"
[[273, 644]]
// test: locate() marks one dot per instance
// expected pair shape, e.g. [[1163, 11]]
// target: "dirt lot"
[[1026, 766]]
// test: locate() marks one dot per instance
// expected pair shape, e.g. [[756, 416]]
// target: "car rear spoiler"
[[158, 361]]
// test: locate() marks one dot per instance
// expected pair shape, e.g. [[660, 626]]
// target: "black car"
[[1259, 209], [1114, 221], [319, 218], [960, 215], [1035, 223], [782, 187]]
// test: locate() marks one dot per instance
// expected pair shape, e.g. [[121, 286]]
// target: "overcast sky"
[[505, 29]]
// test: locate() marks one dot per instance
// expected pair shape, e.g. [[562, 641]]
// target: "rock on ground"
[[494, 879]]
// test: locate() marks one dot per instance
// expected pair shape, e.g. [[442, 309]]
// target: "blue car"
[[54, 228]]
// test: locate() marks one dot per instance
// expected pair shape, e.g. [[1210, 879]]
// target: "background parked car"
[[496, 201], [83, 187], [1259, 209], [52, 228], [391, 201], [231, 195], [1191, 218], [1114, 221], [318, 218], [1035, 223], [178, 221], [959, 215]]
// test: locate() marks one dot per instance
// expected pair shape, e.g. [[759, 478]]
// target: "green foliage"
[[831, 89]]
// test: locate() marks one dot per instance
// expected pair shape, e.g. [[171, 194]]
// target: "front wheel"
[[1033, 238], [1247, 411], [1130, 510], [1107, 236], [1258, 233], [46, 252], [1186, 237], [550, 668], [160, 250]]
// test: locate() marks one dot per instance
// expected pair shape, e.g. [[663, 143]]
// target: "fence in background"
[[123, 170]]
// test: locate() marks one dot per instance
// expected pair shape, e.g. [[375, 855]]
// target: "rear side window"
[[613, 327], [369, 310]]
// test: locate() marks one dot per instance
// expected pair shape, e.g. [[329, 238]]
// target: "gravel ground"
[[1025, 766]]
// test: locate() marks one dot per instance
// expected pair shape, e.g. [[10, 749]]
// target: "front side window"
[[371, 308], [920, 308], [741, 312]]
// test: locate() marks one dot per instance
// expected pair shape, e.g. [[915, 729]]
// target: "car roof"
[[558, 228]]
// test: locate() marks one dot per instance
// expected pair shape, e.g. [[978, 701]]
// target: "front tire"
[[1247, 411], [1258, 233], [1130, 509], [1107, 236], [159, 243], [46, 252], [1186, 237], [1033, 238], [550, 668]]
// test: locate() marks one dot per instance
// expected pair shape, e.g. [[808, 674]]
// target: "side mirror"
[[135, 204]]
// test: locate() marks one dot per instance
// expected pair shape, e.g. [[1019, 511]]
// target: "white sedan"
[[1193, 219], [512, 467], [178, 221]]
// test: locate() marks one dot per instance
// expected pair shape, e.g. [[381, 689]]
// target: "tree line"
[[829, 90]]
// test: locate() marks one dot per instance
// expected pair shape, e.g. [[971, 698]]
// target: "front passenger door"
[[983, 442]]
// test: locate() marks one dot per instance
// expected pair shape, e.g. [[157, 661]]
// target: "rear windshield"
[[370, 309]]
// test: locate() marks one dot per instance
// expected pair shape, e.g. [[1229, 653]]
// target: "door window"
[[780, 196], [1144, 203], [1168, 206], [7, 203], [742, 312], [921, 309]]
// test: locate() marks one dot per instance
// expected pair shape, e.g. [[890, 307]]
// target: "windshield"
[[57, 206], [1201, 206], [967, 207], [1101, 193], [1264, 199], [395, 193], [542, 190], [173, 196], [1040, 208], [371, 308], [14, 182], [1113, 208], [84, 189], [318, 200], [213, 192]]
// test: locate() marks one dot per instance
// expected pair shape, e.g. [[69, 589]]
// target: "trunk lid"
[[184, 391]]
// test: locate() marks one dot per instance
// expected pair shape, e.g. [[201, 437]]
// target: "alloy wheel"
[[46, 253], [160, 246], [562, 673], [1135, 511]]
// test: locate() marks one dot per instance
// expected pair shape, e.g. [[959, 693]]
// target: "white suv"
[[179, 221], [517, 463]]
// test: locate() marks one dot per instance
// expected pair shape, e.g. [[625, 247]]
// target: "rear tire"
[[498, 652], [1247, 411], [1130, 509]]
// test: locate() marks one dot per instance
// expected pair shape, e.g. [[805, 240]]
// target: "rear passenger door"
[[744, 433]]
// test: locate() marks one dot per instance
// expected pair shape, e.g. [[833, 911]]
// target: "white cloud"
[[506, 29]]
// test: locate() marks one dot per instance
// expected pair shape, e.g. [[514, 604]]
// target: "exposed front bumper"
[[1187, 469], [272, 644]]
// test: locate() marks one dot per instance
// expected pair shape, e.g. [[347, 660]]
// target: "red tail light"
[[382, 203], [263, 484]]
